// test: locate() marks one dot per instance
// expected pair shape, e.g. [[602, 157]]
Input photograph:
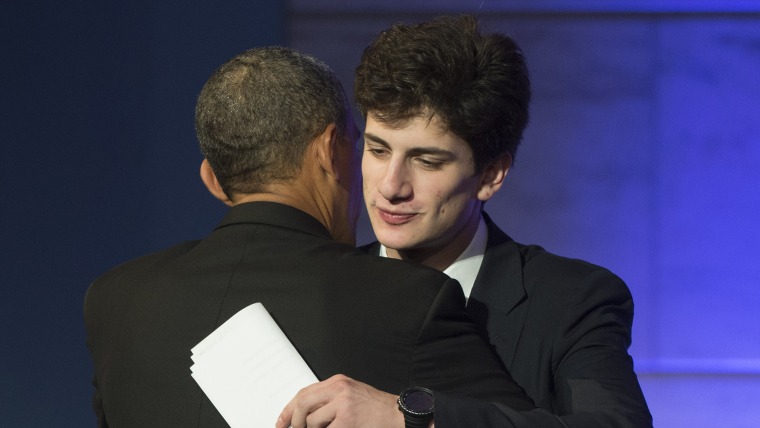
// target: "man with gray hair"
[[445, 107]]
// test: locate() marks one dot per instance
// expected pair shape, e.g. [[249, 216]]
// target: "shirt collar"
[[465, 268]]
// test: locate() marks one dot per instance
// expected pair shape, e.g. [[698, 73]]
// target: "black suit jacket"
[[389, 324], [562, 327]]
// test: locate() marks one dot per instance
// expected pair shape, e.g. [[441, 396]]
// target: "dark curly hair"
[[476, 84]]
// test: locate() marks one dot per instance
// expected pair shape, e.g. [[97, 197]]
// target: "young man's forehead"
[[398, 121], [419, 123]]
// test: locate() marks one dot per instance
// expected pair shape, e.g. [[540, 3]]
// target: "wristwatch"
[[417, 405]]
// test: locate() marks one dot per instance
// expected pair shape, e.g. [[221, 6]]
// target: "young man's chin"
[[397, 239]]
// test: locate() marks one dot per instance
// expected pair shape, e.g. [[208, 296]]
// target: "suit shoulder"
[[143, 264], [548, 269], [119, 284], [384, 267], [373, 248], [537, 258]]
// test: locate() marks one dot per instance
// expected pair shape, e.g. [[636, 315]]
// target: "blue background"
[[643, 155]]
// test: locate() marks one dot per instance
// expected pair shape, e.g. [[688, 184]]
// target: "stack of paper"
[[249, 369]]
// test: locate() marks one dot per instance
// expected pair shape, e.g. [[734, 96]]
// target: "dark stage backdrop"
[[100, 164]]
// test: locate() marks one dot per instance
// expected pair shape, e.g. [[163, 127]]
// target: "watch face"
[[419, 401]]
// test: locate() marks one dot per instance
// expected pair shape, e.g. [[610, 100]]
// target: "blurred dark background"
[[643, 155]]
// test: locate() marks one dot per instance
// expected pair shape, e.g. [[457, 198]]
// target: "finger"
[[322, 417], [283, 421], [294, 413], [308, 400]]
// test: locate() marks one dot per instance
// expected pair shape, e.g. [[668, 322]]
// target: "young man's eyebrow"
[[427, 150], [375, 139]]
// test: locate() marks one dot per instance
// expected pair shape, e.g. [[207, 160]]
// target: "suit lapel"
[[495, 302]]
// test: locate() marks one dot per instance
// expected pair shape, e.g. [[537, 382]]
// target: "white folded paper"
[[249, 369]]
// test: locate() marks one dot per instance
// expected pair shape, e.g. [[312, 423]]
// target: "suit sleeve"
[[593, 378], [451, 356]]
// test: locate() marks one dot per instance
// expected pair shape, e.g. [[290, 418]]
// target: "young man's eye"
[[377, 152], [429, 163]]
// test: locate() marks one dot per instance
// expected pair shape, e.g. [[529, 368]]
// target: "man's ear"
[[212, 183], [493, 176], [326, 146]]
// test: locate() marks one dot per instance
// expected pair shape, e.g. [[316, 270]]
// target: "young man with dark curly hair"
[[445, 108]]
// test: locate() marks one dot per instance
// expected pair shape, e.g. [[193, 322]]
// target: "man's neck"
[[285, 198], [307, 199]]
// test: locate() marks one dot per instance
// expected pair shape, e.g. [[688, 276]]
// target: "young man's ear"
[[493, 177], [326, 146], [212, 183]]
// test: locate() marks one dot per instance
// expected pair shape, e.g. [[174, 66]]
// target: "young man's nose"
[[395, 183]]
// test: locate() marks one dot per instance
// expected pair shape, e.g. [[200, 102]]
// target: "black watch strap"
[[414, 422]]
